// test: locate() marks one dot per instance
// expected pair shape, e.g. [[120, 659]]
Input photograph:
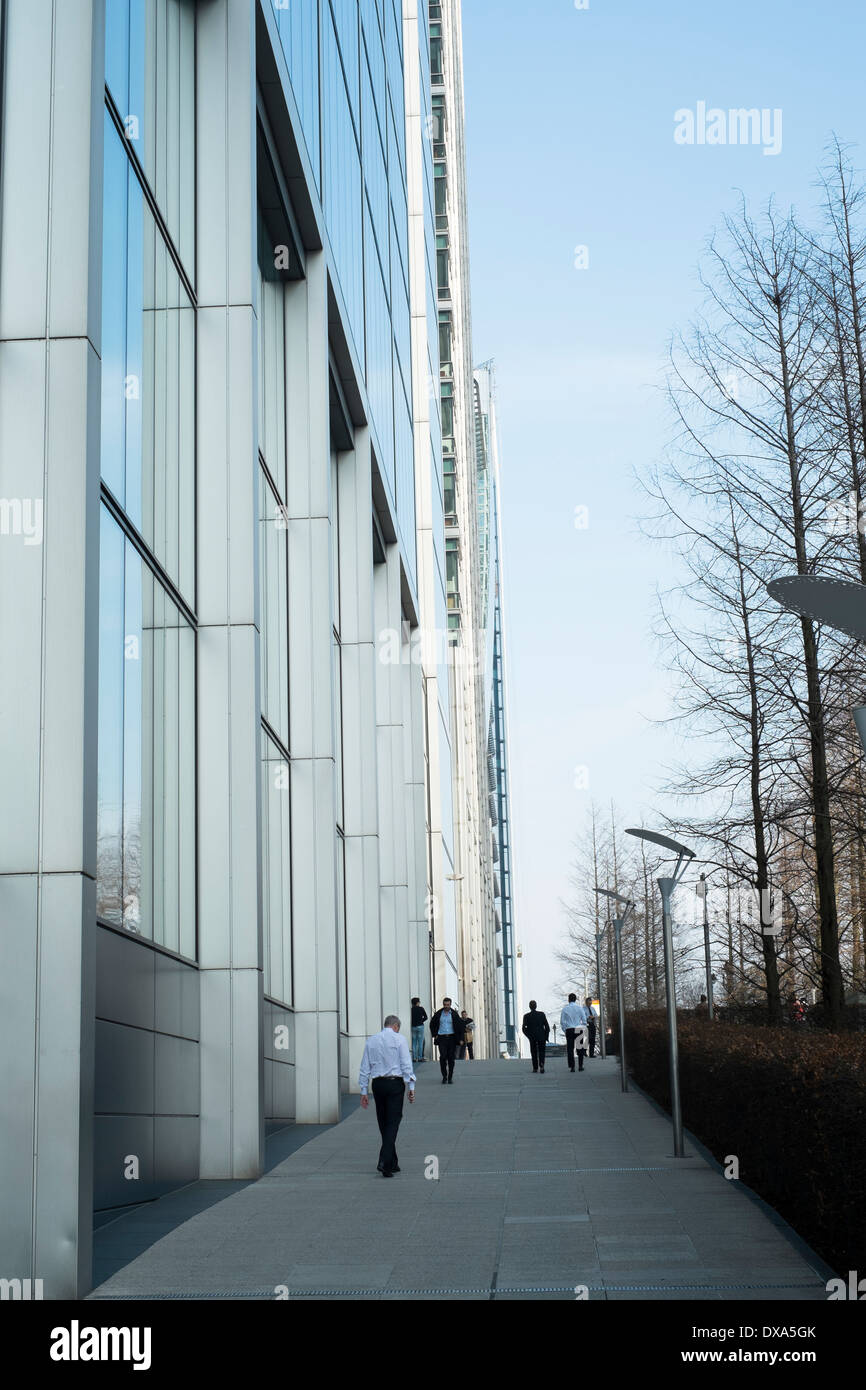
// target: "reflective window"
[[273, 609], [341, 933], [380, 366], [276, 871], [299, 34], [146, 766], [341, 185], [148, 374], [150, 72], [436, 54], [345, 14], [404, 456], [272, 379], [445, 334], [443, 267], [337, 648]]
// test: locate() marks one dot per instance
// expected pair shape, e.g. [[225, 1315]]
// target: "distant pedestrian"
[[537, 1029], [387, 1063], [573, 1020], [591, 1025], [466, 1047], [446, 1029], [419, 1018]]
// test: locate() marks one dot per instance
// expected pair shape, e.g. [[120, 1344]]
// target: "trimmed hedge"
[[790, 1105]]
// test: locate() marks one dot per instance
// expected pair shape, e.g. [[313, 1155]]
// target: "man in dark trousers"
[[419, 1018], [573, 1021], [537, 1030], [446, 1030], [591, 1024], [387, 1065]]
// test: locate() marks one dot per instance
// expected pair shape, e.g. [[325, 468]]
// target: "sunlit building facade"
[[228, 839], [476, 966], [492, 596]]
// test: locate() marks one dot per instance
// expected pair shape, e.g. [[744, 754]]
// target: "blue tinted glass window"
[[150, 73], [298, 25], [342, 188], [146, 763], [148, 373]]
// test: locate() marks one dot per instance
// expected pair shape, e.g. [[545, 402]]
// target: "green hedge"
[[790, 1105]]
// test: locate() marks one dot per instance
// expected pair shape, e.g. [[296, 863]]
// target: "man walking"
[[573, 1021], [591, 1024], [466, 1048], [537, 1029], [446, 1029], [387, 1063], [419, 1018]]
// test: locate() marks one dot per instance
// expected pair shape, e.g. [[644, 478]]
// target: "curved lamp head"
[[665, 841], [681, 851], [620, 901], [840, 603]]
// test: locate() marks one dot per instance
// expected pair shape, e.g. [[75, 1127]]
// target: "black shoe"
[[571, 1069], [444, 1079], [396, 1168], [580, 1069], [535, 1069], [451, 1081], [386, 1173], [541, 1069]]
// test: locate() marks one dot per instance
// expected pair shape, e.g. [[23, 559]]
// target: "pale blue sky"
[[570, 132]]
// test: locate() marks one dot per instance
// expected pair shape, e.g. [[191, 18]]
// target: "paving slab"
[[545, 1183]]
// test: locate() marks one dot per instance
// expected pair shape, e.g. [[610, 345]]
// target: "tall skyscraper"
[[464, 563], [242, 795], [492, 603]]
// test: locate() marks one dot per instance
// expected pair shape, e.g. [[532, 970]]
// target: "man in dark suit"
[[537, 1030], [446, 1030]]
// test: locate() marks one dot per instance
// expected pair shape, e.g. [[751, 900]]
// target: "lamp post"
[[701, 891], [839, 603], [602, 1040], [625, 906], [667, 886]]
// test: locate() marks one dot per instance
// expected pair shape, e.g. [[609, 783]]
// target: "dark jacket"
[[536, 1026], [456, 1020], [419, 1015]]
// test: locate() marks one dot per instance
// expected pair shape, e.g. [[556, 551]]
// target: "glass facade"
[[273, 587], [146, 773], [345, 60], [276, 871], [150, 78], [146, 769]]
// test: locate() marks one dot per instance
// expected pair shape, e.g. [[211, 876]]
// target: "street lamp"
[[625, 905], [840, 603], [701, 891], [667, 886]]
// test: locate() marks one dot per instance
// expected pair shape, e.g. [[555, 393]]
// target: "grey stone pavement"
[[546, 1182]]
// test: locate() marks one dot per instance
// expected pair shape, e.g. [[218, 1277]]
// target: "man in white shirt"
[[573, 1021], [387, 1064]]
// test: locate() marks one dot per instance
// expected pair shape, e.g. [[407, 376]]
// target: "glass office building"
[[495, 687], [467, 584], [228, 839]]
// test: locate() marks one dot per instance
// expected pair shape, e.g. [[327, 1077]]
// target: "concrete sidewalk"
[[546, 1182]]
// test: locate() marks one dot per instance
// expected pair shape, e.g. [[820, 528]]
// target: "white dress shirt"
[[386, 1054], [573, 1016]]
